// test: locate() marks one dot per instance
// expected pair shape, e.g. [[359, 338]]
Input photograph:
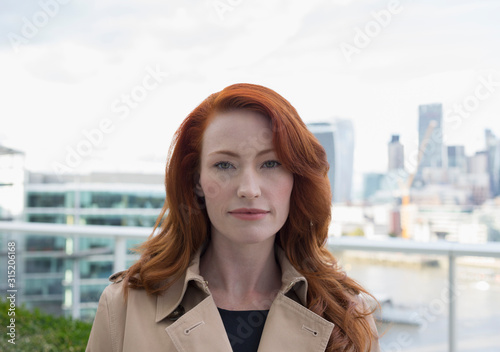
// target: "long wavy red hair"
[[183, 225]]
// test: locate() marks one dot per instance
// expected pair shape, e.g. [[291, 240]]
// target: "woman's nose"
[[249, 185]]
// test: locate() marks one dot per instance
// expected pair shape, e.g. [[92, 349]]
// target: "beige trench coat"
[[185, 318]]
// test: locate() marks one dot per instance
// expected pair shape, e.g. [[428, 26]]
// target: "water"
[[423, 293]]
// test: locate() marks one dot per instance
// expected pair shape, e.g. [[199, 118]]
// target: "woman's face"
[[246, 189]]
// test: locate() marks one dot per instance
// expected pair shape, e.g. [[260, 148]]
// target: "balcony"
[[440, 315]]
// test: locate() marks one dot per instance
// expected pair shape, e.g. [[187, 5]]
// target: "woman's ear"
[[197, 188]]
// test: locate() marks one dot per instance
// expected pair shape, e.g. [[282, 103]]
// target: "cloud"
[[67, 63], [92, 52]]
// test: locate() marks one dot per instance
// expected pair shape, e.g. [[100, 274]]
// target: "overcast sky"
[[135, 69]]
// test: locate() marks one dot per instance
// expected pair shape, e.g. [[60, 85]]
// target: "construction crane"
[[405, 187]]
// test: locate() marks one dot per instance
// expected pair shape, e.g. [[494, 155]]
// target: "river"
[[421, 293]]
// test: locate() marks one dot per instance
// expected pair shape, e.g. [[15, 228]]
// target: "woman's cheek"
[[284, 184], [215, 184]]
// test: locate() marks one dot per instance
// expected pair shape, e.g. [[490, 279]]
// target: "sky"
[[103, 85]]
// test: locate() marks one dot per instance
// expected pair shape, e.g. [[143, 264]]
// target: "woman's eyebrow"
[[236, 155]]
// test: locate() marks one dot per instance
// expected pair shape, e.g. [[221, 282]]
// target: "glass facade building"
[[432, 154], [396, 154], [457, 158], [337, 138], [49, 269]]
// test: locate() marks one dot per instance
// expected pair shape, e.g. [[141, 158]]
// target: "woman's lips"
[[249, 213]]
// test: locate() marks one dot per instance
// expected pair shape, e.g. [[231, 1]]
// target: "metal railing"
[[448, 249], [121, 233]]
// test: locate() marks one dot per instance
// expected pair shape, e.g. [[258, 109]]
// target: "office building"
[[95, 199], [396, 154], [325, 133], [456, 157], [478, 163], [493, 151], [478, 179], [430, 115], [337, 137], [372, 182]]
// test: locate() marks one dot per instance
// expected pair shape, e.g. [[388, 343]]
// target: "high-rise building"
[[493, 151], [456, 157], [344, 137], [478, 163], [372, 182], [478, 177], [396, 154], [325, 132], [337, 137], [432, 156]]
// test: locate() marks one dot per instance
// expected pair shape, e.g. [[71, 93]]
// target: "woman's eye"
[[271, 164], [223, 165]]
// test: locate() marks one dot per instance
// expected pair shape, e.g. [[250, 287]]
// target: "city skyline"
[[118, 80]]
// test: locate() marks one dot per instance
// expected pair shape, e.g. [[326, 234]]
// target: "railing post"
[[452, 306], [75, 285], [120, 254]]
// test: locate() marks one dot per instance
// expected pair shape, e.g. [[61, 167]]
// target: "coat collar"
[[291, 278], [168, 302]]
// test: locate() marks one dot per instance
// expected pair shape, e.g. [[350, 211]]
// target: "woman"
[[239, 261]]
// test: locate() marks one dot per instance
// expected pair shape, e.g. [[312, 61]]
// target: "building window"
[[46, 200], [44, 265]]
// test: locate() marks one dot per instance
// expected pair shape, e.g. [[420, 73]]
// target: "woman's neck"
[[241, 277]]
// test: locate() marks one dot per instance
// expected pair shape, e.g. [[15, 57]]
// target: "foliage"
[[358, 232], [41, 332]]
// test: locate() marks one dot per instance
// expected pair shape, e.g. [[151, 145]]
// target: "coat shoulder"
[[108, 327], [117, 277], [113, 295]]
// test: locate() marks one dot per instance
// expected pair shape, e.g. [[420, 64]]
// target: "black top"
[[244, 328]]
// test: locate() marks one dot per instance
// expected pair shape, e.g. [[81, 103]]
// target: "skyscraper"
[[433, 152], [478, 163], [337, 138], [457, 158], [396, 154], [479, 177], [372, 182], [493, 152]]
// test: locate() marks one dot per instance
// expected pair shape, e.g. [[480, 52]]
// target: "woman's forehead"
[[240, 131]]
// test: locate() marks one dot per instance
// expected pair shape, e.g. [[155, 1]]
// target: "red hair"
[[184, 225]]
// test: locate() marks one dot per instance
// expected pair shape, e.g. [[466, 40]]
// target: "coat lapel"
[[289, 326], [292, 327], [200, 330]]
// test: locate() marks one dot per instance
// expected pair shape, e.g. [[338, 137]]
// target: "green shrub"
[[41, 332], [358, 232]]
